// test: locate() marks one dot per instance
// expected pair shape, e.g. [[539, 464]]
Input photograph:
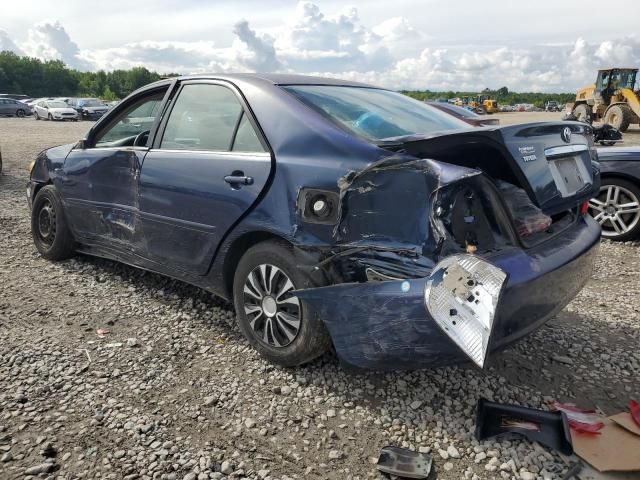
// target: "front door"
[[206, 168], [100, 181]]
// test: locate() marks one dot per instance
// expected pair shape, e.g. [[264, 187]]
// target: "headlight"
[[31, 165], [462, 296]]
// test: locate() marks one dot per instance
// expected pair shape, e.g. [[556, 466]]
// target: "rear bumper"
[[386, 326]]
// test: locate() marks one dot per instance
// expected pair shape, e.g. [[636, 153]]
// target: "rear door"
[[207, 167]]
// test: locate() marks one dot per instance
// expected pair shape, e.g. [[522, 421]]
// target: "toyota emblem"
[[566, 134]]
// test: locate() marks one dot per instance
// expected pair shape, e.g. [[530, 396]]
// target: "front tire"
[[50, 118], [617, 209], [583, 112], [618, 116], [51, 234], [278, 325]]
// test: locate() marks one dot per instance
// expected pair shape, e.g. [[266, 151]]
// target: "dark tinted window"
[[246, 138], [374, 113], [204, 118]]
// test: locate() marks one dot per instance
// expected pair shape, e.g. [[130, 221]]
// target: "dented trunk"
[[431, 207]]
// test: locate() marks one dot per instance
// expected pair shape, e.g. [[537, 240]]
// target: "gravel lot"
[[172, 391]]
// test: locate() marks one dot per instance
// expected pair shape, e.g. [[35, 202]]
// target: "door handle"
[[237, 178]]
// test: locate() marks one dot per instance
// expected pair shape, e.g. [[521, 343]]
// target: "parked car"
[[54, 110], [13, 108], [14, 96], [552, 106], [331, 212], [88, 108], [0, 160], [466, 115], [617, 206]]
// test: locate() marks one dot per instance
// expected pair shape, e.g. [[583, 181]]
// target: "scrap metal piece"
[[404, 463], [548, 428]]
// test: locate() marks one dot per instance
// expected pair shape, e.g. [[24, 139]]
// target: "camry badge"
[[566, 134]]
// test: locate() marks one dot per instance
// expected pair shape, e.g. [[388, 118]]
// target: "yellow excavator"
[[482, 103], [612, 99]]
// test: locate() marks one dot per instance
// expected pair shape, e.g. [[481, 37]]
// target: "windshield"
[[91, 102], [57, 105], [374, 113]]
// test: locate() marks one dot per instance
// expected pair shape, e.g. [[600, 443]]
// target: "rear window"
[[374, 113]]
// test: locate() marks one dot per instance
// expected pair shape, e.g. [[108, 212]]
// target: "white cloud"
[[7, 44], [392, 53], [49, 40]]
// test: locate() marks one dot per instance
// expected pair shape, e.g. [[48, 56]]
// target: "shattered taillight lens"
[[462, 296]]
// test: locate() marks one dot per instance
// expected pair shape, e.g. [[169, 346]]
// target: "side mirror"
[[82, 144]]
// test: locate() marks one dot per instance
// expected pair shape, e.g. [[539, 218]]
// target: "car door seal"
[[548, 428]]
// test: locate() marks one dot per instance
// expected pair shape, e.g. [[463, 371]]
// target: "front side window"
[[135, 120], [204, 117], [374, 113]]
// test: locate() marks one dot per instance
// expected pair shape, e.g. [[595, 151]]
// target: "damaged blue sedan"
[[331, 213]]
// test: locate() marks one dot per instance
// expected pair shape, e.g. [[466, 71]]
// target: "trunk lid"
[[551, 161]]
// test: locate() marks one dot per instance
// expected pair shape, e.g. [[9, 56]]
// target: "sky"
[[526, 45]]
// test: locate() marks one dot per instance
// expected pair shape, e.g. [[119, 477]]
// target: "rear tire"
[[618, 116], [303, 337], [583, 112], [20, 113], [51, 234]]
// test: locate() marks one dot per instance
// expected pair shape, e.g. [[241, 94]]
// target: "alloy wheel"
[[616, 209], [274, 315], [47, 223]]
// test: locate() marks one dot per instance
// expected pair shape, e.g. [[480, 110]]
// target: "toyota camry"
[[331, 213]]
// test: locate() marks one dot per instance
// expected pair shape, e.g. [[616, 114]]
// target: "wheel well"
[[239, 246], [621, 176]]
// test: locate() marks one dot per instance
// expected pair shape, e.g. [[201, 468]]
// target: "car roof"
[[272, 78]]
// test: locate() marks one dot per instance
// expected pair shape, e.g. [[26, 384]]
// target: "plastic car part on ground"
[[404, 463], [580, 420], [548, 428]]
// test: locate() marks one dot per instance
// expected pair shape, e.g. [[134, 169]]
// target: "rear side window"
[[246, 138], [204, 117]]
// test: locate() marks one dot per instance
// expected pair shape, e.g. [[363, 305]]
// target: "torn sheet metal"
[[390, 202]]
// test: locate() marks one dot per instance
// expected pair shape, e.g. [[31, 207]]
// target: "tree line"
[[40, 78], [502, 95]]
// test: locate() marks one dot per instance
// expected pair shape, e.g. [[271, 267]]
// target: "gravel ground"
[[173, 391]]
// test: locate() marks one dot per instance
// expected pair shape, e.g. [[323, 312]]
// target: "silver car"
[[11, 107]]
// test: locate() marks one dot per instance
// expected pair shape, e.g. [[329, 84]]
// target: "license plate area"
[[570, 174]]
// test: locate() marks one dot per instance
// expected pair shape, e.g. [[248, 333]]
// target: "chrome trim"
[[216, 152], [564, 150]]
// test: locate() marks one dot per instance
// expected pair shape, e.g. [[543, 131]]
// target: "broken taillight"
[[528, 218], [462, 296], [584, 207]]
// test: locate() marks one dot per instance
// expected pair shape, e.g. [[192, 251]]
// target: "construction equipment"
[[482, 103], [611, 99], [486, 103]]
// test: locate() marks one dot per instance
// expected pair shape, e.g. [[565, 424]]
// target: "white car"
[[54, 110]]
